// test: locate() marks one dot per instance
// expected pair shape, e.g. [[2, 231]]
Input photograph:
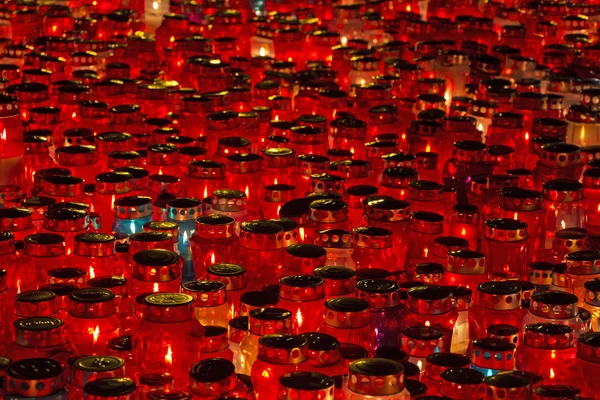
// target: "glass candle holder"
[[548, 350], [461, 383], [151, 382], [436, 364], [48, 341], [418, 342], [581, 267], [244, 174], [291, 354], [42, 252], [155, 270], [109, 187], [206, 382], [373, 243], [302, 295], [260, 249], [95, 253], [131, 213], [467, 161], [184, 212], [68, 222], [564, 205], [254, 299], [506, 242], [79, 159], [324, 353], [263, 321], [83, 370], [370, 370], [235, 279], [210, 301], [337, 281], [211, 242], [465, 268], [355, 328], [278, 166], [424, 227], [391, 214], [395, 181], [464, 223], [422, 195], [432, 306], [557, 308], [496, 303], [21, 375], [326, 214], [306, 384], [498, 385], [461, 338], [203, 178], [306, 166], [502, 356], [303, 259], [557, 161], [338, 246], [92, 319], [168, 336], [386, 310], [18, 221]]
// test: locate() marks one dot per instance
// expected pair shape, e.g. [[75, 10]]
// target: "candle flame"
[[463, 232], [172, 39], [169, 356], [362, 82], [447, 96], [516, 216], [408, 8], [425, 252], [18, 286], [3, 136], [428, 148], [155, 5], [301, 234], [344, 40], [155, 289], [562, 224], [289, 59], [92, 272], [420, 365], [598, 207], [54, 28], [551, 373], [352, 150], [205, 192], [299, 318], [95, 333], [212, 258], [247, 191], [526, 135], [480, 127], [73, 115], [277, 118], [262, 52], [427, 323], [275, 181], [582, 134]]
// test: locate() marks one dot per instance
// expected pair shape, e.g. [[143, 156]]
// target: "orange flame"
[[428, 148], [3, 135], [95, 333], [526, 135], [92, 272], [172, 39], [155, 287], [205, 192], [551, 373], [212, 258], [516, 216], [425, 252], [562, 224], [301, 234], [277, 118], [463, 232], [408, 8], [427, 323], [169, 356], [247, 191], [299, 318], [73, 115]]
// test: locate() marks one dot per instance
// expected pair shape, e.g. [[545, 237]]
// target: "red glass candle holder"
[[395, 181], [302, 295], [210, 301], [337, 281], [67, 222], [157, 351], [79, 159], [203, 178], [355, 328], [155, 270], [497, 386], [83, 370], [260, 249], [372, 370], [92, 319], [303, 259], [506, 242], [581, 267], [466, 268], [39, 249], [548, 350], [373, 243], [244, 174], [21, 383], [326, 214], [205, 381], [212, 241], [423, 229], [496, 303], [292, 353], [502, 356], [461, 383], [235, 280]]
